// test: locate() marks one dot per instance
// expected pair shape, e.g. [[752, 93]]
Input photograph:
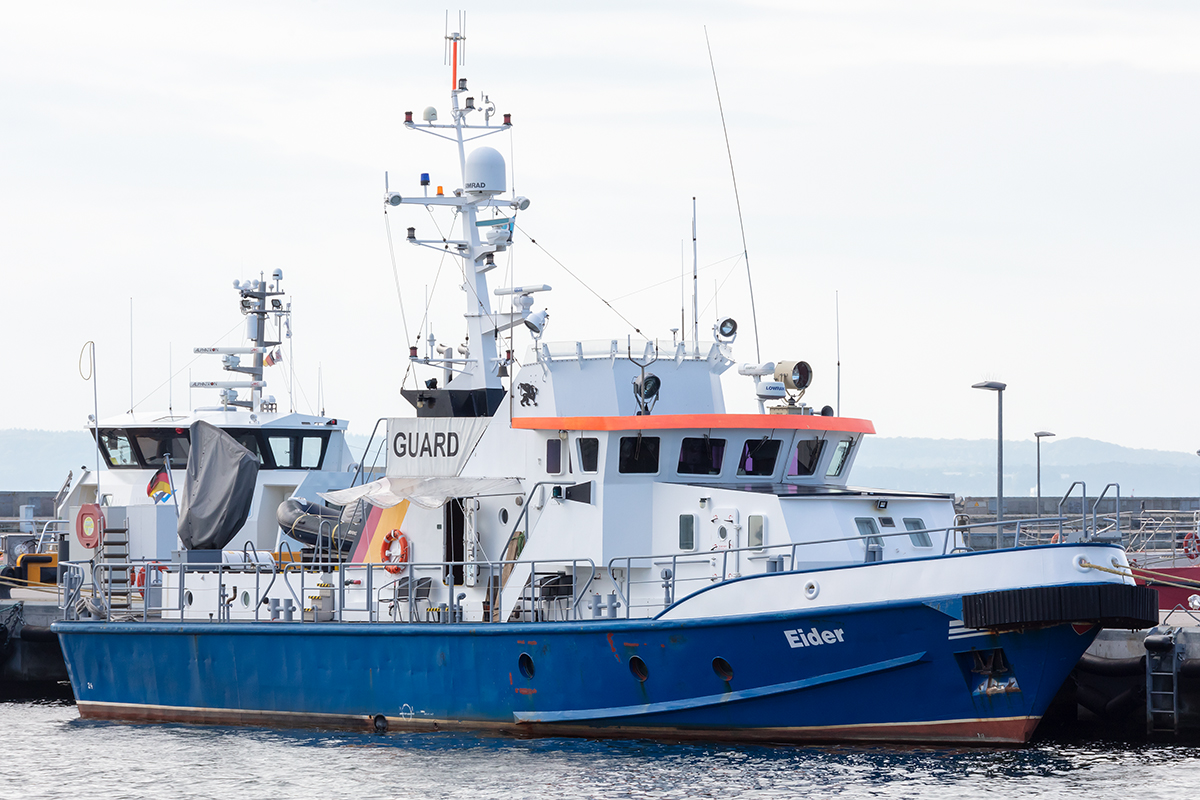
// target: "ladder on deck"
[[116, 573], [1162, 683]]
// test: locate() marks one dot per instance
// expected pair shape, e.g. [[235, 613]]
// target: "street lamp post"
[[998, 388], [1039, 436]]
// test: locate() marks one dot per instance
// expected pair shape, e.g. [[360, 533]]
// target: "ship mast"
[[473, 386]]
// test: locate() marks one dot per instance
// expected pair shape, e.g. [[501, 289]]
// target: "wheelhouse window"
[[589, 453], [116, 449], [701, 456], [806, 456], [840, 456], [638, 455], [918, 534], [157, 443], [758, 457], [554, 456], [687, 531], [297, 450]]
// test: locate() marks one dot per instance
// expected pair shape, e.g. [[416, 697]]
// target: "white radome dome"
[[485, 173]]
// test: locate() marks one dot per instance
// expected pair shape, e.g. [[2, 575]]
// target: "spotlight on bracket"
[[394, 199], [536, 322], [520, 203], [726, 329]]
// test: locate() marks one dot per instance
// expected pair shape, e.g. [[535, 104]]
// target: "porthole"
[[525, 664], [723, 532], [187, 598], [638, 668], [504, 516], [722, 668], [245, 599]]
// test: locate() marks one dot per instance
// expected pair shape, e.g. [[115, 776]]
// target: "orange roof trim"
[[779, 422]]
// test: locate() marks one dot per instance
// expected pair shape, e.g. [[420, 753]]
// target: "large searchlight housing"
[[795, 375]]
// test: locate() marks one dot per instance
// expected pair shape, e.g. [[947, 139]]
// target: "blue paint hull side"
[[896, 673]]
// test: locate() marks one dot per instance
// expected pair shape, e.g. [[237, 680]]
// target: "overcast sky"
[[995, 191]]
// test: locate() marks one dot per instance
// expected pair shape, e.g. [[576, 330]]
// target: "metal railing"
[[554, 585], [621, 569]]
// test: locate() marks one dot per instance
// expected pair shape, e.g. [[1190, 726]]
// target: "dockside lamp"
[[998, 388]]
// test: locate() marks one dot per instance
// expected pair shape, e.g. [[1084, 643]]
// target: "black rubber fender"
[[1115, 667]]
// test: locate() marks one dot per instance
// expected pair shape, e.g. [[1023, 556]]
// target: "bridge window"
[[808, 454], [157, 443], [920, 537], [701, 456], [639, 455], [840, 456], [117, 450], [589, 453], [758, 457], [297, 451], [554, 456]]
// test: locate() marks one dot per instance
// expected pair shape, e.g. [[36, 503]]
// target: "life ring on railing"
[[137, 577], [1054, 539], [1191, 546], [88, 524], [393, 551]]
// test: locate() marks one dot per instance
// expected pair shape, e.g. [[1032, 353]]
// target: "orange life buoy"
[[1054, 539], [394, 558], [137, 577], [1191, 546], [88, 524]]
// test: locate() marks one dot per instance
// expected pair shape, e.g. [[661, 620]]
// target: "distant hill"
[[32, 460], [967, 467]]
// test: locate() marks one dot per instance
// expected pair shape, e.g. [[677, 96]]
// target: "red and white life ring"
[[395, 557], [1191, 546], [88, 524]]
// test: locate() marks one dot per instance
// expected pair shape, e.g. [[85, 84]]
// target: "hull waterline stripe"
[[979, 730], [714, 699]]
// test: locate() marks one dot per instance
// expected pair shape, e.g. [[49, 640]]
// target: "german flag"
[[159, 487]]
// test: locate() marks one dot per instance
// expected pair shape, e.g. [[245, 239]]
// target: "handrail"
[[1097, 503], [1082, 507], [792, 547], [366, 450], [582, 572], [525, 511]]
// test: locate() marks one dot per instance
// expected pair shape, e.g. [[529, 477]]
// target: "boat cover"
[[218, 490], [428, 493]]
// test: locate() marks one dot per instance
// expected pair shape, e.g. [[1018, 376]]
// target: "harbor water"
[[51, 753]]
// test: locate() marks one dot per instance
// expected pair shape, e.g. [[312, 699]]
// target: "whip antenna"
[[737, 199]]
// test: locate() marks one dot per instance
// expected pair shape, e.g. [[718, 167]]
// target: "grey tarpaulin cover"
[[218, 490]]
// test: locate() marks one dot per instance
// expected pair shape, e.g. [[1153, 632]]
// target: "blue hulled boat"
[[584, 542]]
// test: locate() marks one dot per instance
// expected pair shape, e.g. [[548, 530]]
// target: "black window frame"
[[712, 446], [754, 449], [643, 446]]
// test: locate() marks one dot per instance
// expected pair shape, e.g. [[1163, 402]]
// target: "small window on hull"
[[687, 531], [919, 536], [756, 530], [554, 456]]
